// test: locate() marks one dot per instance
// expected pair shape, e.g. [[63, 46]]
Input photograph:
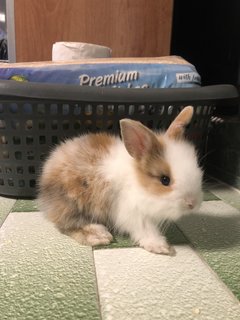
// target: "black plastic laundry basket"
[[35, 116]]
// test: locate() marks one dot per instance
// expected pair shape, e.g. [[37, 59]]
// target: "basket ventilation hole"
[[30, 155], [53, 108], [205, 109], [21, 183], [41, 125], [141, 109], [65, 125], [2, 124], [199, 109], [42, 140], [29, 125], [29, 140], [3, 140], [10, 183], [27, 108], [170, 110], [54, 124], [32, 183], [15, 124], [121, 109], [31, 169], [8, 170], [42, 156], [16, 140], [110, 109], [88, 110], [41, 109], [161, 110], [77, 125], [65, 109], [54, 139], [13, 108], [18, 155], [76, 110], [131, 109], [5, 154], [151, 110], [20, 170]]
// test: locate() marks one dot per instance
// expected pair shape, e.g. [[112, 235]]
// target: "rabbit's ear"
[[138, 139], [177, 127]]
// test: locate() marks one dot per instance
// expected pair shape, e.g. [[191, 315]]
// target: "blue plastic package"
[[164, 72]]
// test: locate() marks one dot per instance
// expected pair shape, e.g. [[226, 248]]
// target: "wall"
[[207, 33], [134, 28]]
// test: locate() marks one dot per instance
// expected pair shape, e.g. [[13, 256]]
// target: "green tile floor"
[[46, 275]]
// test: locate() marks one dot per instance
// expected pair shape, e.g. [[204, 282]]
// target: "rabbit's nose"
[[190, 203]]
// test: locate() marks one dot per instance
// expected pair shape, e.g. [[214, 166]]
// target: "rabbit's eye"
[[165, 180]]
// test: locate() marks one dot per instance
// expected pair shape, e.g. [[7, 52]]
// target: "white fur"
[[182, 159], [138, 212]]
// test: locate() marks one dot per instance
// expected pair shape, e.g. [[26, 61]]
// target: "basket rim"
[[10, 89]]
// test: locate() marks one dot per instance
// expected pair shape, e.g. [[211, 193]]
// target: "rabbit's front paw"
[[157, 246]]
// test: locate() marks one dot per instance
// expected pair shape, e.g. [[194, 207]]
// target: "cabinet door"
[[132, 28]]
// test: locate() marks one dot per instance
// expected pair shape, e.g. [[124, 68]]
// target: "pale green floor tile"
[[25, 206], [43, 274], [135, 284], [215, 233], [225, 192], [209, 196], [5, 207]]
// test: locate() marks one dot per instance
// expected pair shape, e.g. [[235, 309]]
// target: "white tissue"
[[78, 50]]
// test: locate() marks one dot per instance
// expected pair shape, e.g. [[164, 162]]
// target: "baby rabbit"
[[98, 181]]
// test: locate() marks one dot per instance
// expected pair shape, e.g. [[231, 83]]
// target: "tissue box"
[[163, 72]]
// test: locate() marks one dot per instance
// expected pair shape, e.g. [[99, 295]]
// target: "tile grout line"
[[214, 273], [97, 288], [222, 196], [224, 199], [7, 212], [208, 255], [205, 262], [228, 186]]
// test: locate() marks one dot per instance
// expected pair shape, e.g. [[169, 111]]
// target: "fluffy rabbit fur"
[[98, 181]]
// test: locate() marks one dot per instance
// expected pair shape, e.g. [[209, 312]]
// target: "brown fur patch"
[[100, 141], [92, 234], [152, 167], [71, 180]]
